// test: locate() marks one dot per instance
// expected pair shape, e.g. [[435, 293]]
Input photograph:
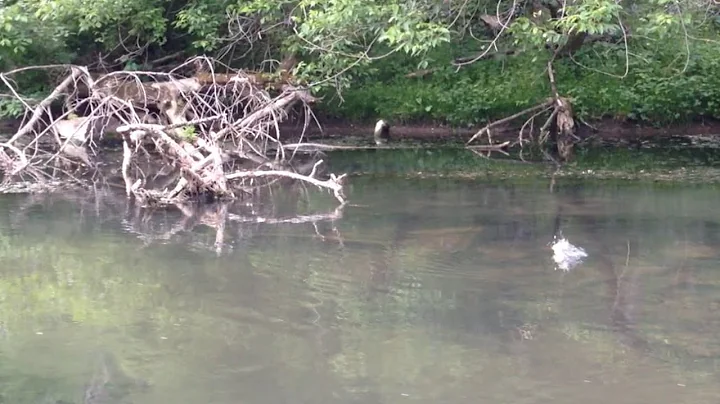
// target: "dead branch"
[[486, 128], [531, 121], [334, 183], [315, 147], [288, 97], [218, 134], [491, 147], [44, 104]]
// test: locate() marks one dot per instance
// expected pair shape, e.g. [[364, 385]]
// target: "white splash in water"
[[566, 255]]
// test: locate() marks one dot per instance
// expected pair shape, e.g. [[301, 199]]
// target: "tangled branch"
[[217, 134]]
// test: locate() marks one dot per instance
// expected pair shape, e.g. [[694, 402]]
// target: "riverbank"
[[660, 157], [611, 131], [606, 132]]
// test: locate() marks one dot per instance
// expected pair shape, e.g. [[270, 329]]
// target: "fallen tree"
[[217, 134]]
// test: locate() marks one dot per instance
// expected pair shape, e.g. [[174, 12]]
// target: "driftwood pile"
[[218, 134]]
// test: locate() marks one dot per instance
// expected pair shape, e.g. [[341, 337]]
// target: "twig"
[[490, 147], [594, 129], [530, 122], [551, 77], [545, 129]]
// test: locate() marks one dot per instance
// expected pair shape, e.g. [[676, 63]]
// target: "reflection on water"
[[427, 291]]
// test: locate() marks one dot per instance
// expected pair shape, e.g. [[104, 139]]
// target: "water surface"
[[422, 291]]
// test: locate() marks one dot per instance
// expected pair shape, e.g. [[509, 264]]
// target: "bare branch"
[[334, 184], [215, 132], [44, 104], [510, 118]]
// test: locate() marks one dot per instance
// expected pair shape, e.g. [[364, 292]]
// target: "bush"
[[660, 88]]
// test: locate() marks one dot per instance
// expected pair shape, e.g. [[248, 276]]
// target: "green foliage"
[[476, 94], [590, 16], [662, 89], [187, 133], [658, 88], [141, 19], [663, 74], [26, 38], [11, 108], [339, 35], [664, 71], [202, 19]]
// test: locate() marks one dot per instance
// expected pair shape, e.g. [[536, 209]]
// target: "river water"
[[421, 291]]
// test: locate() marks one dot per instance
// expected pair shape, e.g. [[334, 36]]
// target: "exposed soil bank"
[[610, 130]]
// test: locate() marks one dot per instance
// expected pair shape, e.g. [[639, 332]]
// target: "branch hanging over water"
[[334, 184]]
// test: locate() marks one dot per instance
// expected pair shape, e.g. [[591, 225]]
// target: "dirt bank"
[[610, 130]]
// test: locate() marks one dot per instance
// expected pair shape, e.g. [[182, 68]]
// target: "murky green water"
[[423, 291]]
